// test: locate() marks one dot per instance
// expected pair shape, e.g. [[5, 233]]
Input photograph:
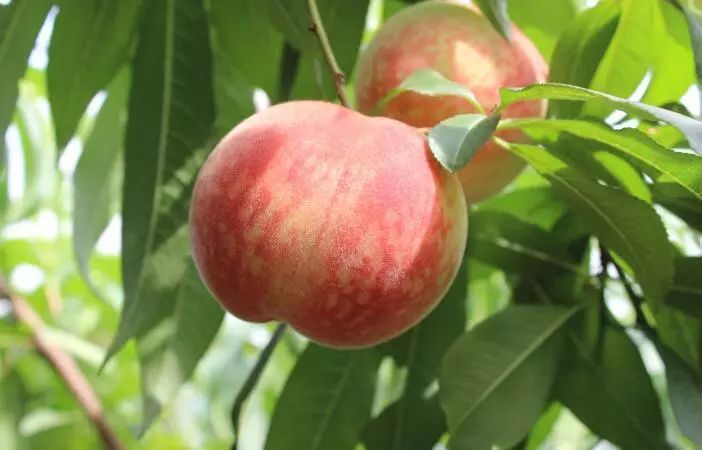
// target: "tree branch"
[[637, 301], [317, 27], [252, 380], [65, 367]]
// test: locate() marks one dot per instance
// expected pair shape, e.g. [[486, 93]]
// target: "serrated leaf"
[[91, 40], [685, 391], [496, 12], [623, 223], [169, 353], [686, 290], [691, 128], [20, 22], [171, 115], [505, 241], [420, 350], [92, 180], [489, 373], [326, 400], [611, 392], [633, 50], [456, 140], [432, 83]]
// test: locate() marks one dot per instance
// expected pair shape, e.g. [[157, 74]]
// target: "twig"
[[317, 27], [252, 380], [637, 301], [65, 367]]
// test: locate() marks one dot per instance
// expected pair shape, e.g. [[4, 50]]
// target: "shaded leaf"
[[169, 353], [681, 333], [691, 128], [488, 373], [540, 206], [611, 393], [456, 140], [20, 22], [326, 400], [92, 181], [686, 290], [624, 224], [12, 409], [685, 391], [171, 114], [91, 40], [420, 350]]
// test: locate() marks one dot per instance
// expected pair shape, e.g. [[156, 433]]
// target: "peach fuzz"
[[340, 224], [457, 41]]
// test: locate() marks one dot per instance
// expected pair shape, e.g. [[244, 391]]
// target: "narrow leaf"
[[496, 12], [326, 400], [671, 170], [171, 115], [90, 42], [432, 83], [92, 180], [626, 225], [456, 140], [691, 128], [685, 391], [686, 290], [169, 353], [20, 22], [611, 393], [489, 373]]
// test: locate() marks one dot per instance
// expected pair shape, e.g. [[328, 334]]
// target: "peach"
[[340, 224], [458, 42]]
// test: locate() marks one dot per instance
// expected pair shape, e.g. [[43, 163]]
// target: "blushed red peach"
[[457, 41], [341, 224]]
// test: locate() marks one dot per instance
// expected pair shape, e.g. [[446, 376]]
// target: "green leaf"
[[694, 23], [456, 140], [682, 333], [674, 71], [496, 12], [12, 409], [20, 22], [539, 206], [580, 50], [543, 427], [611, 393], [685, 391], [420, 350], [633, 50], [326, 400], [673, 171], [248, 54], [93, 188], [686, 290], [432, 83], [491, 373], [171, 115], [544, 29], [624, 224], [169, 353], [686, 208], [90, 42], [691, 128], [505, 241]]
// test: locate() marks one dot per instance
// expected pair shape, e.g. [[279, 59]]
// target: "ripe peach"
[[341, 224], [457, 41]]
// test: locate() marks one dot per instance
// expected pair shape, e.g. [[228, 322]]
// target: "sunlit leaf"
[[496, 12]]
